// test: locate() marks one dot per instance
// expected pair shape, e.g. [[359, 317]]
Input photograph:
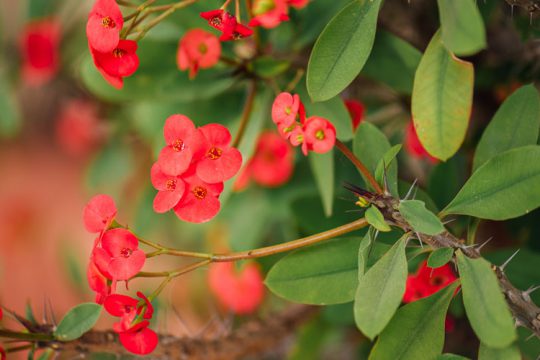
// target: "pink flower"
[[269, 13], [97, 282], [99, 213], [285, 109], [184, 142], [118, 255], [104, 24], [356, 110], [413, 146], [273, 162], [121, 62], [297, 138], [319, 134], [198, 49], [220, 162], [170, 189], [201, 200], [39, 44], [241, 291]]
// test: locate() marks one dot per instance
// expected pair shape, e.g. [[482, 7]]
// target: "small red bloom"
[[413, 145], [299, 4], [273, 162], [139, 339], [201, 200], [285, 109], [239, 291], [220, 162], [356, 110], [97, 282], [319, 134], [170, 189], [119, 255], [269, 13], [427, 281], [98, 213], [219, 19], [114, 65], [198, 49], [39, 44], [104, 24], [297, 138], [184, 142]]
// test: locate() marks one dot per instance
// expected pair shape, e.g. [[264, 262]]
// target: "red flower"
[[184, 142], [226, 23], [427, 281], [285, 109], [239, 291], [2, 353], [269, 13], [198, 49], [99, 213], [220, 162], [170, 189], [201, 200], [299, 4], [297, 138], [119, 255], [413, 145], [97, 282], [139, 339], [319, 134], [39, 45], [240, 31], [104, 24], [356, 110], [114, 65]]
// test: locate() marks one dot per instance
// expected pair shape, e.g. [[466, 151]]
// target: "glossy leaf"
[[462, 26], [322, 274], [363, 252], [322, 166], [508, 353], [376, 219], [417, 329], [342, 49], [505, 187], [440, 257], [380, 291], [370, 145], [77, 321], [484, 302], [515, 124], [387, 166], [421, 219], [442, 100]]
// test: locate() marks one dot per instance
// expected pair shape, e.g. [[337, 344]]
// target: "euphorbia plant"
[[241, 109]]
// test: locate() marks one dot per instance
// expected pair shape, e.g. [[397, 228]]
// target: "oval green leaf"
[[417, 330], [342, 49], [440, 257], [419, 218], [77, 321], [484, 302], [505, 187], [508, 353], [322, 166], [515, 124], [387, 168], [376, 219], [323, 274], [370, 146], [442, 100], [380, 291]]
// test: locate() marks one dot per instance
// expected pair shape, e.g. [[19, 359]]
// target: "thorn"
[[526, 294], [448, 221], [410, 190], [385, 179], [507, 261], [512, 11], [53, 318], [518, 323], [419, 239], [533, 335], [184, 326], [479, 247]]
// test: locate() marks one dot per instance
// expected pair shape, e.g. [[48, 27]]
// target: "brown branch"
[[531, 6]]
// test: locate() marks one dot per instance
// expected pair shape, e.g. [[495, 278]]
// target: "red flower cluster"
[[356, 110], [313, 134], [192, 167], [225, 22], [414, 147], [238, 291], [270, 13], [113, 57], [132, 329], [39, 44], [271, 165], [427, 281], [116, 255], [198, 49]]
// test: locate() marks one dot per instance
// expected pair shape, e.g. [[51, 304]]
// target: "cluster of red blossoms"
[[227, 24], [115, 58], [313, 134], [192, 167], [116, 257], [270, 13]]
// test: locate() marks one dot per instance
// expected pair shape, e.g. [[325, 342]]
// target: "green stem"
[[246, 114], [170, 9]]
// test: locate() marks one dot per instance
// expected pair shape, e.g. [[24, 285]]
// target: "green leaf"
[[442, 100], [462, 26], [77, 321], [440, 257], [417, 330], [342, 49], [380, 291], [370, 145], [505, 187], [484, 302], [363, 252], [515, 124], [376, 219], [391, 169], [421, 219], [322, 166], [451, 357], [322, 274], [393, 61], [508, 353]]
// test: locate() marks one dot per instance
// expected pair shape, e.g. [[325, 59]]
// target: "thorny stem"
[[359, 165], [246, 113], [25, 336]]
